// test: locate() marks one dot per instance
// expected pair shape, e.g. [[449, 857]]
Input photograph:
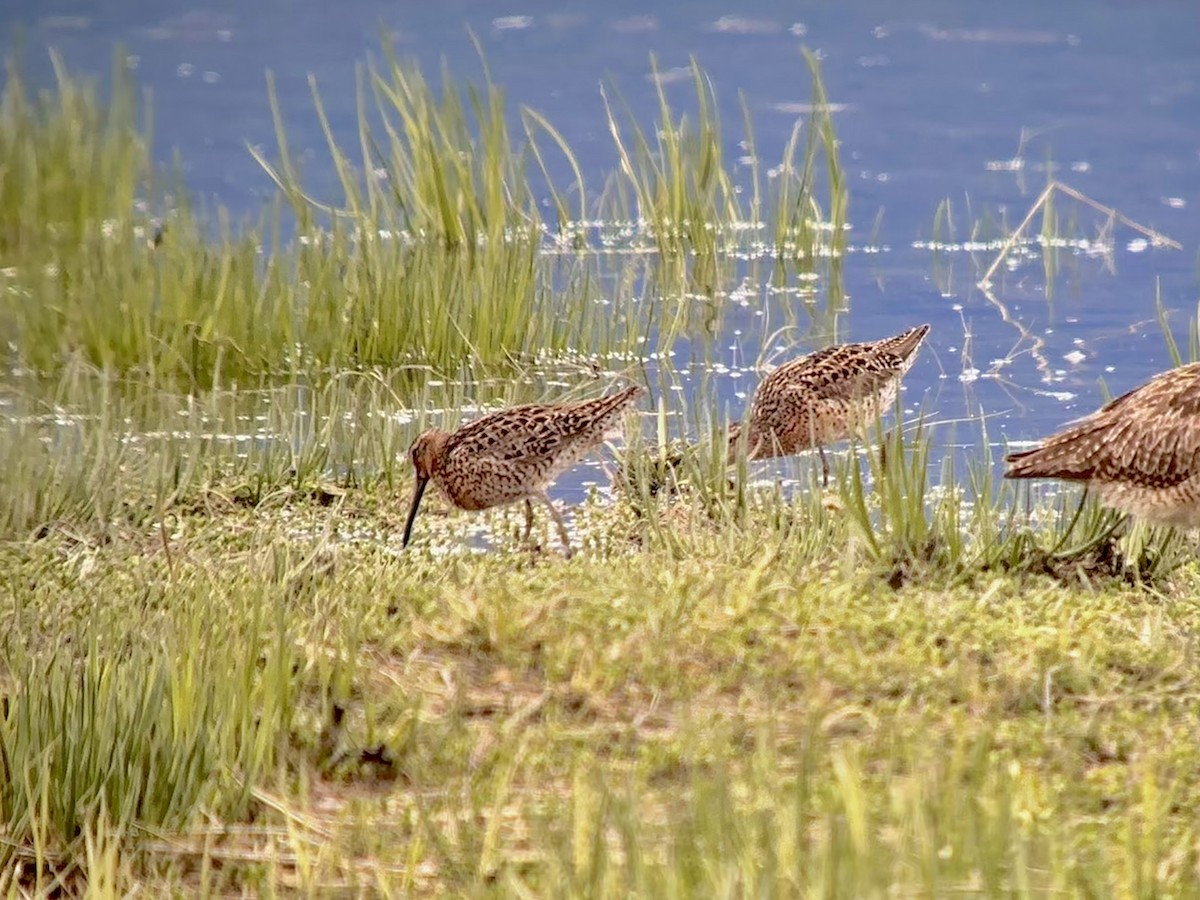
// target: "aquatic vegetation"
[[682, 188], [435, 256], [74, 166]]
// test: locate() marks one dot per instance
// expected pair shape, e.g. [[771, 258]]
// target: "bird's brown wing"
[[1158, 443], [534, 434], [839, 373], [513, 434], [1149, 437]]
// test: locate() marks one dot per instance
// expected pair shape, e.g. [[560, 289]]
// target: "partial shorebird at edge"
[[1139, 453], [514, 454], [826, 396]]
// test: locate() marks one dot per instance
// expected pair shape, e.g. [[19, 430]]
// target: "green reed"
[[127, 713], [434, 256], [676, 171]]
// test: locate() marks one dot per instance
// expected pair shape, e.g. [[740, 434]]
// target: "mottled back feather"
[[517, 452], [1146, 438], [538, 431], [826, 395], [850, 371]]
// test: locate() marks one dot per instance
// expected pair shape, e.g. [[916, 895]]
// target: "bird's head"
[[426, 453]]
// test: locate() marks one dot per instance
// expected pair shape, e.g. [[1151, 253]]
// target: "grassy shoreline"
[[220, 676], [349, 715]]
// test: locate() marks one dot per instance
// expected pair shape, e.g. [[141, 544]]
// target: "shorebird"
[[1140, 453], [825, 396], [514, 454]]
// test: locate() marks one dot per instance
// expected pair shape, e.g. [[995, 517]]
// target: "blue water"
[[971, 102]]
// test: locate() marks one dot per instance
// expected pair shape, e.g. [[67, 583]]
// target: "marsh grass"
[[801, 221], [433, 254], [71, 161], [674, 180], [137, 736], [434, 257], [212, 300], [677, 175]]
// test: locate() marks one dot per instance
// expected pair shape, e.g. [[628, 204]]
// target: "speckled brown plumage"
[[514, 454], [1140, 453], [825, 396]]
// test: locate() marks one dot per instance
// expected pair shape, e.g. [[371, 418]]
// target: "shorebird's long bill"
[[412, 510]]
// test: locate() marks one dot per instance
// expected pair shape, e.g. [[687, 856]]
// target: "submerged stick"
[[1158, 238], [1016, 235]]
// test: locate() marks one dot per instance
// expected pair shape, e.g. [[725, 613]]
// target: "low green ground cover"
[[272, 697]]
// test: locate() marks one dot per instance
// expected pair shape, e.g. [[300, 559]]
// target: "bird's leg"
[[528, 521], [824, 467], [558, 520]]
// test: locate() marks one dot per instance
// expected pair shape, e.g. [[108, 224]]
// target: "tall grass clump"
[[681, 187], [919, 529], [804, 230], [432, 260], [74, 175], [814, 819], [673, 180], [432, 255], [69, 161], [105, 263]]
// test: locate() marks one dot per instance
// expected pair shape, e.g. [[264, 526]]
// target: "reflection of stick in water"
[[1156, 238], [1037, 343]]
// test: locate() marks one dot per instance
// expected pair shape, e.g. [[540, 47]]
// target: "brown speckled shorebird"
[[1140, 453], [825, 396], [514, 454]]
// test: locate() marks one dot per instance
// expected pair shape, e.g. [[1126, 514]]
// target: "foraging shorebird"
[[514, 454], [1140, 453], [825, 396]]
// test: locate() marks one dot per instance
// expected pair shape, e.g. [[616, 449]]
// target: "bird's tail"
[[905, 344], [1063, 459]]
